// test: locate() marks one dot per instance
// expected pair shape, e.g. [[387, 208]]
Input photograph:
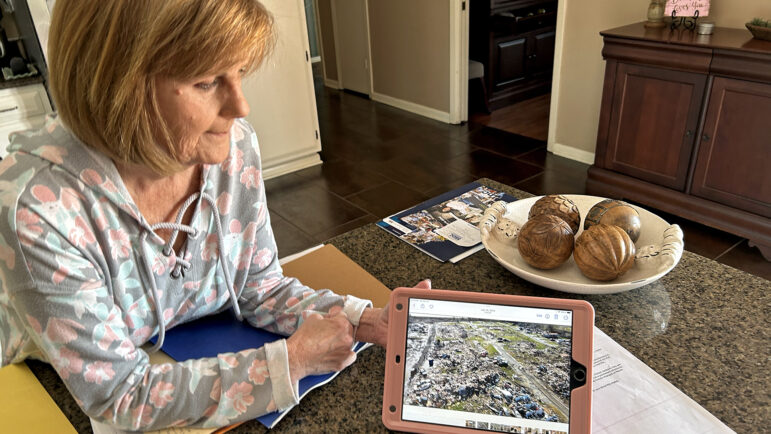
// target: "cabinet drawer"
[[23, 102]]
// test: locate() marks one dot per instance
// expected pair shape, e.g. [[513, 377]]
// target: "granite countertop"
[[703, 326]]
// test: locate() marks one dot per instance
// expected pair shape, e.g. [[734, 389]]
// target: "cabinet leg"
[[764, 250]]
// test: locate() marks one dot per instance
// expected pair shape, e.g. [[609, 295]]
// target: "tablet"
[[470, 362]]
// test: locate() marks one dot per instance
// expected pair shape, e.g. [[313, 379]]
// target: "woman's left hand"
[[373, 324]]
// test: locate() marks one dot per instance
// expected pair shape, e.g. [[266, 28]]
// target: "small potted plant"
[[760, 28]]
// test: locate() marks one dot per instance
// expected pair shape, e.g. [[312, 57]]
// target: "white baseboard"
[[334, 84], [290, 166], [412, 107], [572, 153]]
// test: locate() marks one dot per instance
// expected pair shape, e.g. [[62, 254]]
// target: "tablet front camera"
[[579, 375]]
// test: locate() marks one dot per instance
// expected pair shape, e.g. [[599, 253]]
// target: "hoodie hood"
[[61, 149]]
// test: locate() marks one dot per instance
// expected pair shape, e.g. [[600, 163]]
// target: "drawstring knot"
[[182, 265]]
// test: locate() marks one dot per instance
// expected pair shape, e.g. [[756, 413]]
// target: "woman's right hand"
[[321, 344]]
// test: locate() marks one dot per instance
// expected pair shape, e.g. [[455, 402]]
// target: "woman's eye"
[[208, 84]]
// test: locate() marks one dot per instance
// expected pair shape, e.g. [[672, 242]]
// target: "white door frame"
[[551, 137], [459, 28]]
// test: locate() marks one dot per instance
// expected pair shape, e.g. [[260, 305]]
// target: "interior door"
[[281, 96], [353, 44]]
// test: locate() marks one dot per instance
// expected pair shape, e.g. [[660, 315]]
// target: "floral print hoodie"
[[85, 281]]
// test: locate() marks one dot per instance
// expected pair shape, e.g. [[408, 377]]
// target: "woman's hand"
[[320, 345], [373, 324]]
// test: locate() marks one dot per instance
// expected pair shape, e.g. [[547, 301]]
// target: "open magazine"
[[223, 333], [445, 227]]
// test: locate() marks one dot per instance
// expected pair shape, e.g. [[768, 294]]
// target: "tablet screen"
[[489, 367]]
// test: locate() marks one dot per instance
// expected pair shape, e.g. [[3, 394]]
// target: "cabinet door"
[[733, 164], [509, 59], [653, 123], [541, 54]]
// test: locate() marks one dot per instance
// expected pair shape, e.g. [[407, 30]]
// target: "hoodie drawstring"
[[182, 265]]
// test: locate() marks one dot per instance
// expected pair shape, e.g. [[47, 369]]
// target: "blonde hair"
[[104, 57]]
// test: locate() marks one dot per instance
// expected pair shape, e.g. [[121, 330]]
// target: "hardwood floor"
[[529, 118], [379, 160]]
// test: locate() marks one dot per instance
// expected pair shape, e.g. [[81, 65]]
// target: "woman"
[[142, 206]]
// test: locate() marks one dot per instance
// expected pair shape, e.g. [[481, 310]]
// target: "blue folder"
[[223, 333]]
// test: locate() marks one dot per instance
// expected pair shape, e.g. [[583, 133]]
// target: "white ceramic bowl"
[[659, 247]]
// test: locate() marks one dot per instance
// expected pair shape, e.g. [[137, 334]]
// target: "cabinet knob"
[[688, 133], [705, 137]]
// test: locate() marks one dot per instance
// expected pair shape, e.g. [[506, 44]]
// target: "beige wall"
[[734, 13], [403, 69], [328, 53], [578, 91]]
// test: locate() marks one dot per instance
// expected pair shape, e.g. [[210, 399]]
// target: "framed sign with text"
[[687, 8]]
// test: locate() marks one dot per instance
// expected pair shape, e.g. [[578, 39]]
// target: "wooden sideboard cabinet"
[[514, 40], [685, 127]]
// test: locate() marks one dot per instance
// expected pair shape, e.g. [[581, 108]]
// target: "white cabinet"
[[21, 108]]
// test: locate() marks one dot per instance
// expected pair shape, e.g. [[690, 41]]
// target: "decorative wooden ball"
[[559, 205], [604, 252], [617, 213], [545, 241]]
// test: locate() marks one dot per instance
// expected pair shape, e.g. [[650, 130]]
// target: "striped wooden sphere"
[[604, 252]]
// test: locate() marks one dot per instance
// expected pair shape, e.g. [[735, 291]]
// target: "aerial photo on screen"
[[489, 367]]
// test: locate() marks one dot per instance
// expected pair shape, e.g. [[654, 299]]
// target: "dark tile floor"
[[379, 160]]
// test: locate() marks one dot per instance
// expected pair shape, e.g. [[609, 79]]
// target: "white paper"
[[630, 397], [461, 233]]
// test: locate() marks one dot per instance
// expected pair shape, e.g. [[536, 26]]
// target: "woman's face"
[[200, 114]]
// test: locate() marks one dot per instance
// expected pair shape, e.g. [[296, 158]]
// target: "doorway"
[[515, 46]]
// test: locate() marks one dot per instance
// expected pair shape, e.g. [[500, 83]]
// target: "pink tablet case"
[[583, 328]]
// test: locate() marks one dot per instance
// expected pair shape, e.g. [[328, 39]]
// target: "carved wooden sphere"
[[545, 241], [559, 205], [604, 252], [615, 212]]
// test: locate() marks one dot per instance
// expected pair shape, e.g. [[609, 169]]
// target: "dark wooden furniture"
[[685, 127], [514, 40]]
